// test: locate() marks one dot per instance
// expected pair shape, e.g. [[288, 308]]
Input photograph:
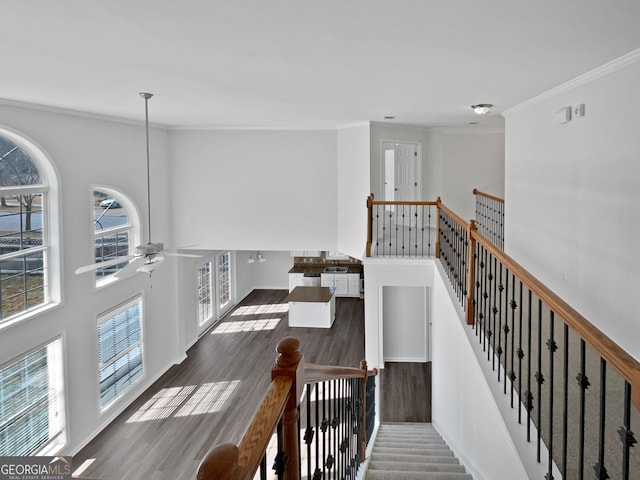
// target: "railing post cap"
[[288, 351], [221, 463]]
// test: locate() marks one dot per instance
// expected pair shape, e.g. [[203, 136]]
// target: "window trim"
[[223, 309], [133, 226], [105, 316], [51, 222]]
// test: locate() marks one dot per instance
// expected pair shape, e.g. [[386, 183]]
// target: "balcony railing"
[[401, 229], [490, 217]]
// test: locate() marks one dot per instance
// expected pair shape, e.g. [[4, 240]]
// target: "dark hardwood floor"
[[210, 398], [407, 392]]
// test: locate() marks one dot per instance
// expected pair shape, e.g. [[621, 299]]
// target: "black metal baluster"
[[329, 457], [494, 311], [280, 462], [308, 434], [626, 435], [513, 305], [263, 467], [528, 394], [552, 347], [565, 402], [485, 297], [520, 354], [600, 468], [403, 224], [489, 300], [583, 383], [499, 313], [317, 474], [539, 378]]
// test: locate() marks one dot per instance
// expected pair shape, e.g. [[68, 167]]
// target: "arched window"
[[24, 232], [115, 220]]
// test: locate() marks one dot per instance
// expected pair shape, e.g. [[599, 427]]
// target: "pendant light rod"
[[146, 97]]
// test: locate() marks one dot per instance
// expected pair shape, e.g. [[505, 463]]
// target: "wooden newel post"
[[363, 412], [369, 224], [290, 363], [438, 202], [469, 311]]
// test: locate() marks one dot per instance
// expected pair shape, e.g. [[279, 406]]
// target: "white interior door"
[[401, 171]]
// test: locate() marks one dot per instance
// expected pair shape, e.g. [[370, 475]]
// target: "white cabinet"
[[345, 284], [295, 280], [354, 284]]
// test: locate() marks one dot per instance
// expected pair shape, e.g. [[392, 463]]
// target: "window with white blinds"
[[31, 414], [120, 350]]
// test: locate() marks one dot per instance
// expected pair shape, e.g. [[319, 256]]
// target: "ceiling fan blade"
[[176, 254], [131, 269], [99, 265]]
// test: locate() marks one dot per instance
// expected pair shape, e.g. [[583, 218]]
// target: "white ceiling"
[[303, 64]]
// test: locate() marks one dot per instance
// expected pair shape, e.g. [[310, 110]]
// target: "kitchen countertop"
[[309, 294], [320, 268]]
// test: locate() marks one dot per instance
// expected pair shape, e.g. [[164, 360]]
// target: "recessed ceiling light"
[[389, 117], [481, 108]]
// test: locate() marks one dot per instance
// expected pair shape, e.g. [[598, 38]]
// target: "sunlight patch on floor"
[[210, 398], [261, 309], [246, 326], [162, 404], [83, 466]]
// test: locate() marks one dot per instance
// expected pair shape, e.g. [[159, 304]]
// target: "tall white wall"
[[464, 158], [353, 189], [572, 196], [255, 190], [464, 409], [88, 151]]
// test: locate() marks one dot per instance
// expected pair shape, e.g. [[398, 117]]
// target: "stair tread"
[[414, 458], [438, 449], [420, 467], [397, 475]]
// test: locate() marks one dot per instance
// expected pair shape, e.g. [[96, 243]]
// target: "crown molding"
[[619, 63], [73, 113], [468, 130]]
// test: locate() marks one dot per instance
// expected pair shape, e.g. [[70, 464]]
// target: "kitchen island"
[[311, 307]]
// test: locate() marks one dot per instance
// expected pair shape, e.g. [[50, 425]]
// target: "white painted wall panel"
[[255, 190], [572, 199]]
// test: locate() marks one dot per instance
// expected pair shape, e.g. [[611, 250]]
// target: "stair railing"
[[490, 217], [337, 411], [537, 343]]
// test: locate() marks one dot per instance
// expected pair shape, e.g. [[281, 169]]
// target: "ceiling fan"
[[147, 257]]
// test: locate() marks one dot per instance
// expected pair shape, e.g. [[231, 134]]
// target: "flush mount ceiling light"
[[481, 108]]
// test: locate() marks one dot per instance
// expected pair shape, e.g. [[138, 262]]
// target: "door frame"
[[418, 169]]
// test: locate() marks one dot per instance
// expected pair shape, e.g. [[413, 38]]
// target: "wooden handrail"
[[488, 195], [432, 203], [314, 373], [457, 218], [627, 366]]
